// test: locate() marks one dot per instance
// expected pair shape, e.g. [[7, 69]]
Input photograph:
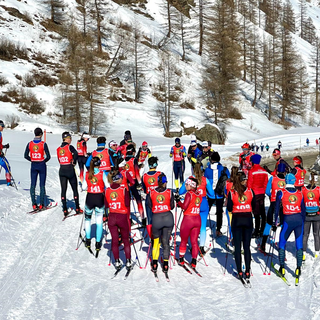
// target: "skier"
[[204, 188], [191, 222], [95, 183], [206, 154], [307, 142], [275, 184], [257, 148], [82, 153], [298, 172], [115, 155], [262, 146], [215, 173], [102, 153], [267, 147], [3, 160], [67, 157], [294, 213], [161, 201], [257, 181], [118, 202], [194, 153], [178, 152], [241, 202], [277, 156], [279, 145], [150, 182], [125, 142], [133, 168], [244, 158], [228, 187], [143, 153], [311, 195], [37, 152]]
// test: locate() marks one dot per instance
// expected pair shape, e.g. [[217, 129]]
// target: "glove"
[[6, 146], [177, 197], [274, 228], [139, 186]]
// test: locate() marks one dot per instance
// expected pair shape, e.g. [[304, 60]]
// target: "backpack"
[[219, 190]]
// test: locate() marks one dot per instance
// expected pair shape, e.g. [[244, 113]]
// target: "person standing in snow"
[[143, 153], [298, 172], [311, 197], [95, 183], [204, 188], [37, 152], [102, 153], [206, 154], [178, 153], [82, 153], [279, 145], [307, 142], [161, 201], [191, 222], [277, 157], [261, 146], [118, 202], [244, 158], [150, 182], [3, 160], [67, 157], [267, 147], [241, 202], [216, 173], [257, 181], [294, 213], [194, 153]]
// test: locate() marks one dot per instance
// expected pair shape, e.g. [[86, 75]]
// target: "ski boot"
[[41, 207], [282, 270], [154, 266], [88, 243], [117, 264], [240, 275], [248, 275], [128, 264], [165, 266], [35, 207], [181, 261], [79, 211], [193, 263], [98, 246], [298, 272], [316, 254], [304, 257]]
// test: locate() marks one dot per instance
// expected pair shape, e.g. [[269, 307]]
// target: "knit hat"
[[215, 157], [205, 144], [130, 148], [112, 143], [281, 167], [276, 151], [193, 143], [256, 158], [38, 132], [177, 140], [290, 178], [66, 135]]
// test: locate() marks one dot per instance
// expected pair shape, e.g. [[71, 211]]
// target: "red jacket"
[[257, 179]]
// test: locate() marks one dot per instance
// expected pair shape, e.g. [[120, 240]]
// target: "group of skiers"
[[113, 179]]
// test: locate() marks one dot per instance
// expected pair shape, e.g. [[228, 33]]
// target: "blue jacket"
[[209, 174]]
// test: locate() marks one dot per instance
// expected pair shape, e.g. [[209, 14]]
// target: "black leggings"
[[219, 210], [162, 225], [315, 222], [242, 229], [259, 212], [67, 173]]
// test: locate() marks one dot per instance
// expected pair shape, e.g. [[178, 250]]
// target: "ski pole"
[[175, 233], [8, 167], [202, 257], [265, 269], [80, 236], [137, 258], [274, 237], [147, 255]]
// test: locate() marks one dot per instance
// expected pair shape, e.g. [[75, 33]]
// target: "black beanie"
[[215, 157], [38, 132]]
